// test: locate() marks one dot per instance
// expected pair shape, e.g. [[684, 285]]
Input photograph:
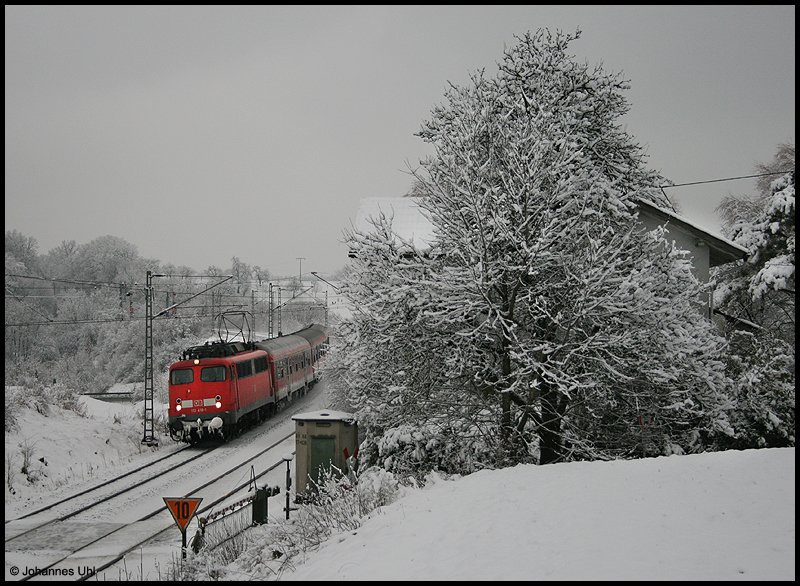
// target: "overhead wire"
[[50, 321], [91, 283], [725, 179]]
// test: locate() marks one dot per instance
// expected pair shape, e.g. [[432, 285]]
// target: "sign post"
[[182, 511]]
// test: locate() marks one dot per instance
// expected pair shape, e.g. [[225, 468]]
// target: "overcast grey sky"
[[202, 133]]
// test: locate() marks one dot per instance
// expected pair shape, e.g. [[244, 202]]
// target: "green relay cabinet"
[[323, 439]]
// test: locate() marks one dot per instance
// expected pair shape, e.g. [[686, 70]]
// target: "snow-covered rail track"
[[94, 499], [73, 548]]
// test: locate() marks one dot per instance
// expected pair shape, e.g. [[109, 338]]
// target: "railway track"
[[204, 509], [105, 530], [102, 484]]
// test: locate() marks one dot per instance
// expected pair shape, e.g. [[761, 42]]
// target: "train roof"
[[313, 332], [297, 340], [283, 344], [216, 350]]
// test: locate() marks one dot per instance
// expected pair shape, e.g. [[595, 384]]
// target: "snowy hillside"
[[716, 516]]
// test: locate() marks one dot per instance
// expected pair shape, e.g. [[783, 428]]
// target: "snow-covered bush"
[[39, 397], [763, 394], [342, 504], [453, 447], [15, 400]]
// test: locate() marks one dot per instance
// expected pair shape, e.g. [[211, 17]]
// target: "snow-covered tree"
[[24, 249], [241, 272], [261, 275], [108, 259], [59, 262], [757, 298], [392, 366], [543, 310], [736, 208]]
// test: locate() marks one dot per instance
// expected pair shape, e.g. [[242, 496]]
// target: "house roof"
[[721, 250]]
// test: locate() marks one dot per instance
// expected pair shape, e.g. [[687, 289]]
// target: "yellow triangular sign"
[[182, 510]]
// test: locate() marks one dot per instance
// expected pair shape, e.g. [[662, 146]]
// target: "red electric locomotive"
[[219, 388]]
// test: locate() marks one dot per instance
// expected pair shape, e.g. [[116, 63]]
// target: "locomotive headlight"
[[178, 406], [219, 401], [197, 361]]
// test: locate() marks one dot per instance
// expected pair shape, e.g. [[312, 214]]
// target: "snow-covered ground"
[[719, 516], [64, 452]]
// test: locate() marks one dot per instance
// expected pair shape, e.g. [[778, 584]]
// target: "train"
[[220, 388]]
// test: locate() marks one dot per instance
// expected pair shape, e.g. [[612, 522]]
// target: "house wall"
[[685, 240]]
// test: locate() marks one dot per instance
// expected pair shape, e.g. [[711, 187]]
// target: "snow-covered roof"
[[721, 249], [325, 415], [408, 221]]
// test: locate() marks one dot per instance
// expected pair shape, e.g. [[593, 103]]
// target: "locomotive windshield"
[[181, 376], [213, 374]]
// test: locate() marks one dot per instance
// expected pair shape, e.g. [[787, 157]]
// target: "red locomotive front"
[[214, 394]]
